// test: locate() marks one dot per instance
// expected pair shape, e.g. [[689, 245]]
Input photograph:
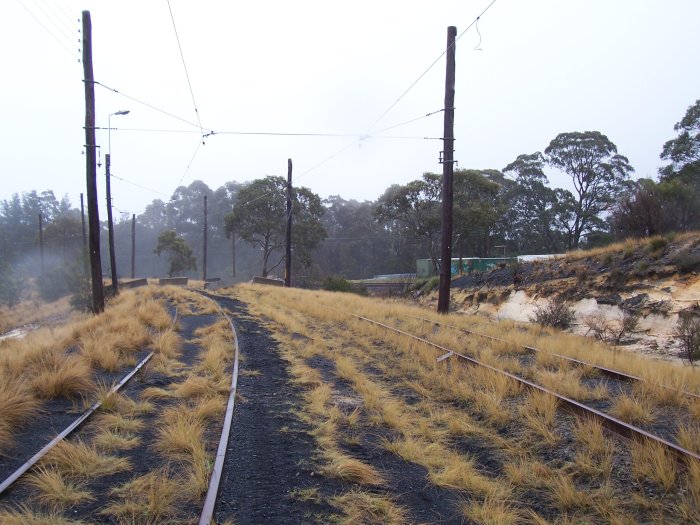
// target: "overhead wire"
[[151, 106], [69, 19], [194, 103], [184, 65], [406, 91], [420, 77], [113, 176], [52, 18], [73, 53], [357, 138], [187, 169], [276, 134]]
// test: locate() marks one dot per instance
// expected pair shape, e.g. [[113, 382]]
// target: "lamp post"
[[110, 224]]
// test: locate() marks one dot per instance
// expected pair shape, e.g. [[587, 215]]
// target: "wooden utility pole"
[[98, 297], [85, 245], [41, 241], [233, 252], [110, 226], [133, 245], [204, 255], [288, 241], [447, 172]]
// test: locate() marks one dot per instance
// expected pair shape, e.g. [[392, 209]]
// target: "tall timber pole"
[[447, 174], [98, 297], [288, 241], [133, 245], [204, 247]]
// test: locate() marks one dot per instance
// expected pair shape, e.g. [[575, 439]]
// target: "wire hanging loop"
[[477, 47]]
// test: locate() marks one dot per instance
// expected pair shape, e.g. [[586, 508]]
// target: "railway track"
[[615, 374], [10, 480], [626, 430], [207, 513]]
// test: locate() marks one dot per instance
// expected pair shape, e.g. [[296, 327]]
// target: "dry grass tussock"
[[187, 301], [17, 405], [47, 366], [33, 310], [491, 511], [633, 409], [55, 491], [597, 456], [652, 461], [150, 499], [76, 459], [361, 507], [29, 516], [61, 375]]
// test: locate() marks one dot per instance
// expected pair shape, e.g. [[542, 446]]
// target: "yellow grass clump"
[[61, 375], [55, 491], [81, 460], [151, 499], [28, 516], [363, 507], [491, 511], [17, 405]]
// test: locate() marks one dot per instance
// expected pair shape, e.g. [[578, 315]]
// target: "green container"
[[424, 267]]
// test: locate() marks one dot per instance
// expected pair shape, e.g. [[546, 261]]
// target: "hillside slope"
[[653, 279]]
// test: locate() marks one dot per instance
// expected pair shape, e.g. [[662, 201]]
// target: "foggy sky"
[[542, 67]]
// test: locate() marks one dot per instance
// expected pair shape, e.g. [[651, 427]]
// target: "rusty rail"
[[612, 423], [210, 499], [617, 374], [70, 428]]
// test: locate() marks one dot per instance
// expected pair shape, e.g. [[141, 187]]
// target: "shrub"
[[688, 334], [687, 261], [431, 284], [335, 283], [556, 313], [613, 332], [656, 244]]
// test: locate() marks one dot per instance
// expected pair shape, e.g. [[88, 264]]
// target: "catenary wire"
[[275, 134], [151, 106], [52, 18], [68, 18], [184, 65], [420, 77], [59, 42], [112, 175]]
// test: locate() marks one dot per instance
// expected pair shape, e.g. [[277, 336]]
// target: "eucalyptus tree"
[[259, 218], [597, 172]]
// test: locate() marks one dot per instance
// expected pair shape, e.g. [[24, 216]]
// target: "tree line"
[[514, 207]]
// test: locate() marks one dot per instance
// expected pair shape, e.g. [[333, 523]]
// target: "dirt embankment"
[[653, 279]]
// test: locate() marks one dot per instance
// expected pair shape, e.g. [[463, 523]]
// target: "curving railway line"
[[207, 512], [610, 422]]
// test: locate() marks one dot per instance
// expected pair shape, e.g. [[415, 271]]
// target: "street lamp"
[[109, 127], [110, 224]]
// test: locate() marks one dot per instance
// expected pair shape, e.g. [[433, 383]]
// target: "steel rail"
[[607, 371], [75, 424], [611, 423], [213, 490], [70, 428]]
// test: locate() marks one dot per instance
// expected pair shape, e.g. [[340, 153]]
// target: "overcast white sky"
[[628, 68]]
